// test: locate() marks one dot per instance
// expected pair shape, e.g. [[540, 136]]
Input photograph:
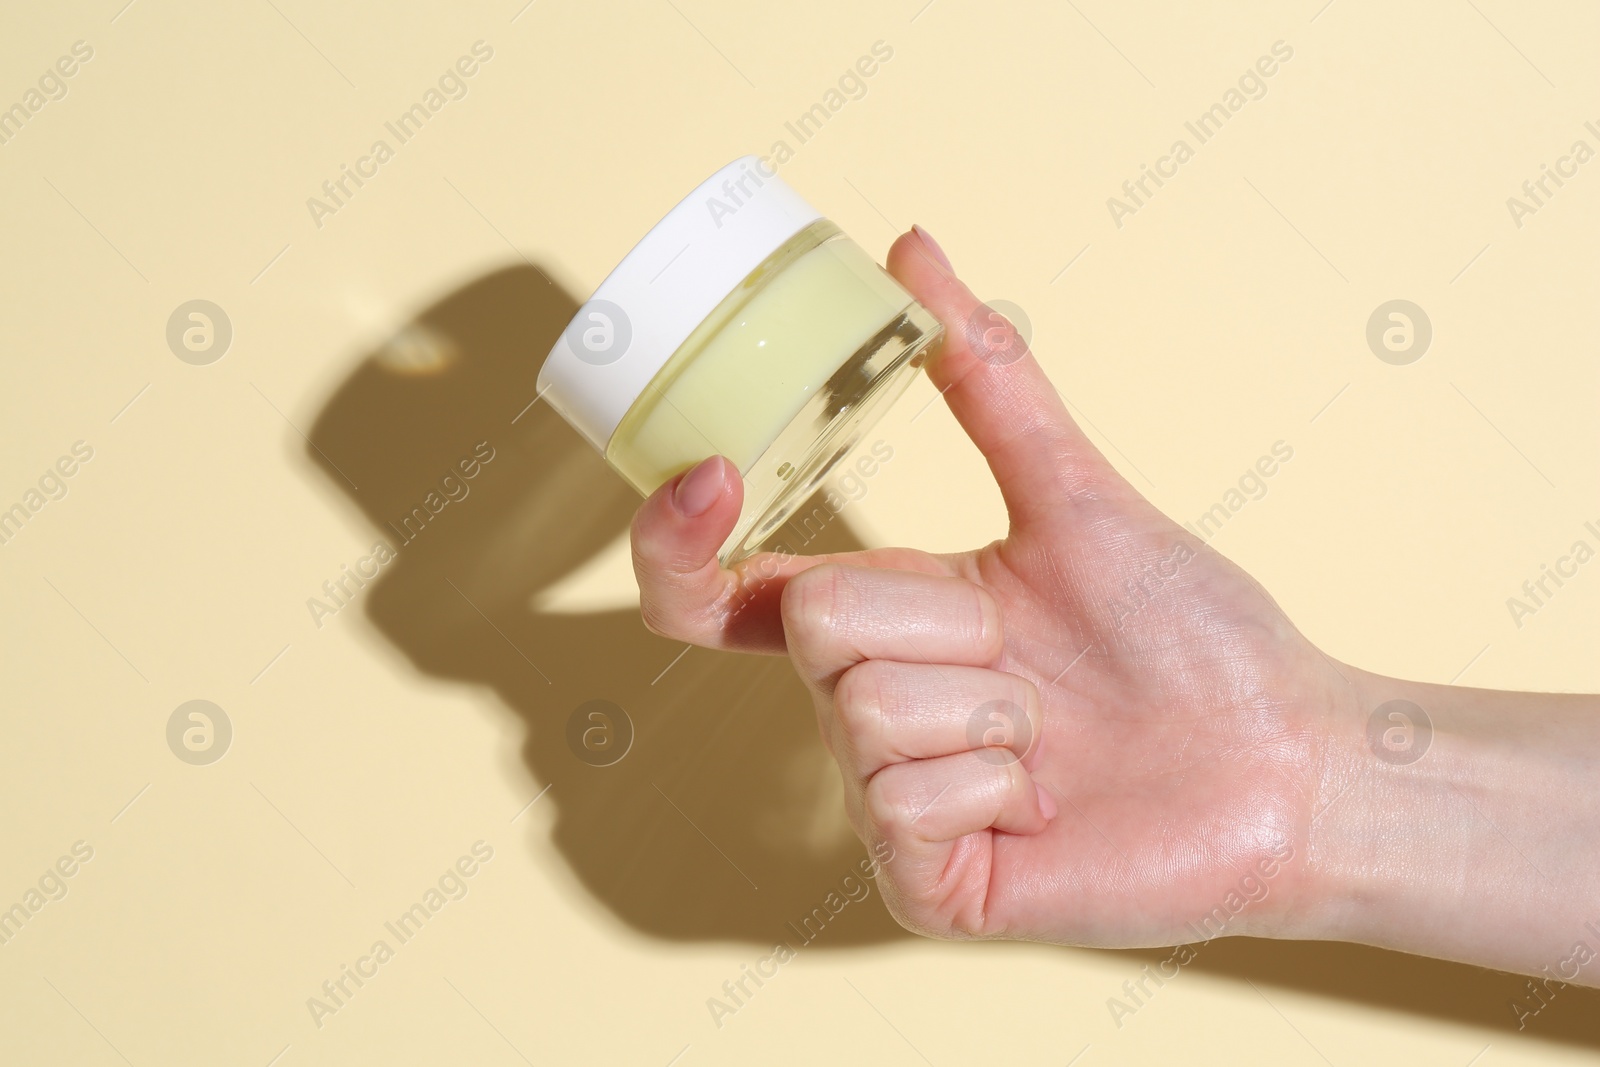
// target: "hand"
[[1174, 713], [1182, 762]]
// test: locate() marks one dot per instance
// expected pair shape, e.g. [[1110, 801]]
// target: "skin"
[[1176, 759]]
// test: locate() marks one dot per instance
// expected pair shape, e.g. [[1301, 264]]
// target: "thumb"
[[999, 393], [684, 593]]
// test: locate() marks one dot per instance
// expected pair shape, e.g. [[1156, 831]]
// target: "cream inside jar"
[[744, 324]]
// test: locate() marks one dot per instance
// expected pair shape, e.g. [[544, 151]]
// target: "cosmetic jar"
[[743, 324]]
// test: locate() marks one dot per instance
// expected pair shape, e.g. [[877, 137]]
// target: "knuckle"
[[989, 634], [889, 804], [809, 604], [994, 784], [1072, 477], [915, 917], [652, 552], [1017, 787], [1026, 696], [858, 704], [655, 620], [672, 617]]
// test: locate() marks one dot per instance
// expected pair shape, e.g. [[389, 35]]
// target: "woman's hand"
[[1167, 717], [1098, 731]]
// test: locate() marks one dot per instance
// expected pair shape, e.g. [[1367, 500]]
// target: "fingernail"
[[1047, 803], [700, 488], [933, 246]]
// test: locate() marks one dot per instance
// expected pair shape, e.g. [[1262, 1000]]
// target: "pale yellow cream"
[[747, 371]]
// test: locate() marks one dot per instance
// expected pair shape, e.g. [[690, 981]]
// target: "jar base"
[[828, 428]]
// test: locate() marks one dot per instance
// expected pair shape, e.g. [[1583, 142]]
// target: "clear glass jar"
[[781, 370]]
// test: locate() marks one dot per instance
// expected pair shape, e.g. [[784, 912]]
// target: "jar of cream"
[[743, 324]]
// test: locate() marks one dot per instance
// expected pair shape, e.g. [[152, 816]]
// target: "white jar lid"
[[672, 280]]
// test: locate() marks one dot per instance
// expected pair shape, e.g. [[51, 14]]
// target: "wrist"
[[1453, 823], [1379, 841]]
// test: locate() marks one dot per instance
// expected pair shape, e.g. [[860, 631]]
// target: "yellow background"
[[371, 353]]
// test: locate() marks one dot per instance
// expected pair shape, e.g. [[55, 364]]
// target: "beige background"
[[373, 352]]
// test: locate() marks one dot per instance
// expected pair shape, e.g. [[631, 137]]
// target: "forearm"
[[1485, 848]]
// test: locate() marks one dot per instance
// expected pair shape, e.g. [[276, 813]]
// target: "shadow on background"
[[725, 820], [1395, 981]]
